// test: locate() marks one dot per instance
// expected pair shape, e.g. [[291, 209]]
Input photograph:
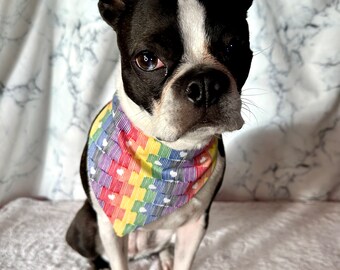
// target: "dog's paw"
[[166, 259]]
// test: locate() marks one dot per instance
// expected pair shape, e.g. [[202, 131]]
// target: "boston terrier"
[[154, 159]]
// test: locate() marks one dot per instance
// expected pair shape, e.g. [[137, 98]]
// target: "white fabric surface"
[[56, 63], [242, 236]]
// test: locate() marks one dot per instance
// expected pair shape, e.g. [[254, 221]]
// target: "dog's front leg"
[[188, 239], [115, 247]]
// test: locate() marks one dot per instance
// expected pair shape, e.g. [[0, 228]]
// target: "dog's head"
[[183, 63]]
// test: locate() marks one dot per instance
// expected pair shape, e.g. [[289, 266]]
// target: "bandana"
[[137, 179]]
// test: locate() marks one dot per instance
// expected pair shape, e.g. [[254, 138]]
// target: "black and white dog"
[[183, 64]]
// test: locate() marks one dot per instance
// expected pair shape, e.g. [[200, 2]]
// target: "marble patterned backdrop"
[[56, 65]]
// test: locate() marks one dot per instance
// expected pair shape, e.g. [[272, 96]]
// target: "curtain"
[[56, 71]]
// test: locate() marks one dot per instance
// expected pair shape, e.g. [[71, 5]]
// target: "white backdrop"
[[56, 64]]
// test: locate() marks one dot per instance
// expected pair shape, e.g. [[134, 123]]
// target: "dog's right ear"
[[110, 10]]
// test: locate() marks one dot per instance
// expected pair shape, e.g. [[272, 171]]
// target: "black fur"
[[221, 147], [164, 42], [111, 10], [152, 26], [222, 153], [83, 173], [83, 233], [227, 28]]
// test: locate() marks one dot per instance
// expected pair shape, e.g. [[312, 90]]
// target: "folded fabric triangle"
[[137, 179]]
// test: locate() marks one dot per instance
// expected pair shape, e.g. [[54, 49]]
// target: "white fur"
[[155, 125], [191, 16], [115, 248], [188, 240]]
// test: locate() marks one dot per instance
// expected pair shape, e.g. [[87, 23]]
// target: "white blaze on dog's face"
[[191, 19], [183, 64]]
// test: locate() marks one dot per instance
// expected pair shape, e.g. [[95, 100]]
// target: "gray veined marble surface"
[[56, 66]]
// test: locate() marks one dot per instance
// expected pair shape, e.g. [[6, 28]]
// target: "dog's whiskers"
[[251, 103], [247, 90], [246, 108], [255, 53]]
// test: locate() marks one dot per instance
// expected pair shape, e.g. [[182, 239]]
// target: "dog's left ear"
[[111, 10]]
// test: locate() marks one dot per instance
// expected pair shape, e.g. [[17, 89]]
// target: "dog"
[[183, 65]]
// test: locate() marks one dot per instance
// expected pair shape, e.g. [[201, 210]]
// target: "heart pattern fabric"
[[137, 179]]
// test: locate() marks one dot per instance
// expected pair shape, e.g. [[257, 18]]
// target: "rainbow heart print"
[[137, 179]]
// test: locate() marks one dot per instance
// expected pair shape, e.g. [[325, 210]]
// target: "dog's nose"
[[206, 88]]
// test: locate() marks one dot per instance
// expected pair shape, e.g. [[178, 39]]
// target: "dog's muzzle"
[[204, 87]]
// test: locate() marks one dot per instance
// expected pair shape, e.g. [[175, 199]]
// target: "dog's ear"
[[110, 10]]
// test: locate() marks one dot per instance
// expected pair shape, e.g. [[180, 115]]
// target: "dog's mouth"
[[203, 128], [182, 120]]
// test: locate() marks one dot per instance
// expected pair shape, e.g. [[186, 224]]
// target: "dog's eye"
[[148, 61], [234, 46]]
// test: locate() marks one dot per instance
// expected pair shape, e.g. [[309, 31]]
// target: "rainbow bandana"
[[137, 179]]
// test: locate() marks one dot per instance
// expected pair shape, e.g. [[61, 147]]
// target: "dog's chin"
[[202, 130]]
